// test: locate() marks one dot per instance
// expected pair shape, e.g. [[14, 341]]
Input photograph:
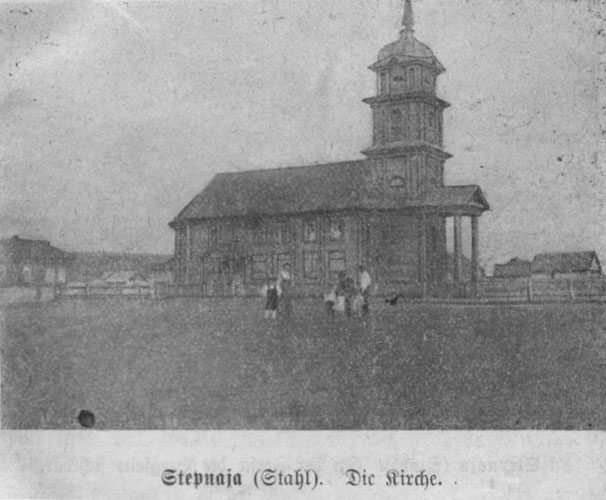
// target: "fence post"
[[529, 289], [570, 289]]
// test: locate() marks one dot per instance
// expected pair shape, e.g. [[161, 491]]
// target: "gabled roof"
[[41, 252], [566, 262], [123, 277], [515, 268], [315, 188]]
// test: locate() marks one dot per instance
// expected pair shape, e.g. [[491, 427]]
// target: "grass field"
[[217, 364]]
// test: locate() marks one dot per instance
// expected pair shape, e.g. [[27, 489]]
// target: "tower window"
[[383, 83], [411, 77], [432, 117], [396, 125]]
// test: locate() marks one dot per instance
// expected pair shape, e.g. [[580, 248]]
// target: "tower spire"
[[408, 20]]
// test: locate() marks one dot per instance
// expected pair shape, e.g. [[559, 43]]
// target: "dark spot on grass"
[[86, 419]]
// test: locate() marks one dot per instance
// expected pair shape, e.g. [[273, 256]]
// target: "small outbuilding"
[[566, 265], [124, 278], [27, 262]]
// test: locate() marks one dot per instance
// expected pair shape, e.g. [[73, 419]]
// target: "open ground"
[[217, 364]]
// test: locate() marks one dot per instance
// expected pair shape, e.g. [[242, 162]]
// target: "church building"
[[387, 211]]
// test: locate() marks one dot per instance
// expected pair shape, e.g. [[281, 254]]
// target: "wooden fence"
[[519, 290], [104, 291]]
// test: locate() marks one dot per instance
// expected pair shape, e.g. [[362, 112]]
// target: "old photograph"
[[302, 215]]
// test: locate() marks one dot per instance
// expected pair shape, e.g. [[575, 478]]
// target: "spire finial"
[[408, 20]]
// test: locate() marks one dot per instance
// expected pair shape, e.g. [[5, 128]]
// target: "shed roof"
[[566, 262], [27, 251], [515, 268], [313, 188]]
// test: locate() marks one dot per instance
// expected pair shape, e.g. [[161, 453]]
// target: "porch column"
[[187, 252], [458, 250], [475, 248]]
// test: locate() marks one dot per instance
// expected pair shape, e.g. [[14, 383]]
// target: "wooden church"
[[387, 211]]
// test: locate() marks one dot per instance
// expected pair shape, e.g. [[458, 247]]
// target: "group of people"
[[347, 296], [278, 293]]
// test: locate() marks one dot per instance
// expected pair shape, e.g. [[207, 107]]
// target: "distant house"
[[515, 268], [163, 271], [466, 271], [25, 262], [124, 278], [93, 266], [566, 265]]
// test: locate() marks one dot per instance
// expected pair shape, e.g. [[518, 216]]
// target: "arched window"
[[398, 80]]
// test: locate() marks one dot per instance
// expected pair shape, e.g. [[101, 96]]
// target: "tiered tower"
[[407, 115]]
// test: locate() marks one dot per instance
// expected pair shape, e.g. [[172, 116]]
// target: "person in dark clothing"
[[350, 293], [285, 286], [271, 292]]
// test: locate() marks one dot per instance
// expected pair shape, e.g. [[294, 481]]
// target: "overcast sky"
[[114, 115]]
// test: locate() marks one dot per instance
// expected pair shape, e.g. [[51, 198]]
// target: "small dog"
[[394, 300]]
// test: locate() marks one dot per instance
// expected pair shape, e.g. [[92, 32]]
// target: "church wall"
[[394, 247], [250, 250]]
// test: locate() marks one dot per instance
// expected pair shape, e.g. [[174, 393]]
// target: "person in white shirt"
[[365, 282]]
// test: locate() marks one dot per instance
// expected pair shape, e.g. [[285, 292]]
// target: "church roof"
[[407, 47], [315, 188]]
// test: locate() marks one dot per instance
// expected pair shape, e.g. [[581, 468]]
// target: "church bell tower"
[[407, 146]]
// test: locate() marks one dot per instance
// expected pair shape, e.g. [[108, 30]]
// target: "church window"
[[396, 125], [336, 262], [397, 182], [383, 83], [411, 77], [281, 260], [282, 233], [433, 181], [398, 80], [260, 266], [311, 264], [310, 231], [337, 229], [432, 117], [213, 235]]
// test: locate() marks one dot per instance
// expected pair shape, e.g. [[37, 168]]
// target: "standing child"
[[271, 292], [285, 286], [330, 298]]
